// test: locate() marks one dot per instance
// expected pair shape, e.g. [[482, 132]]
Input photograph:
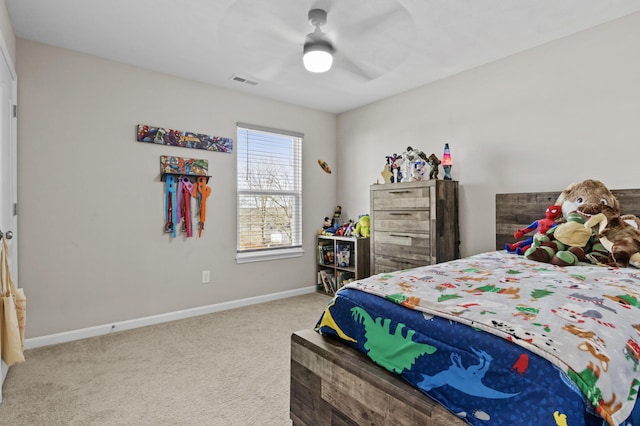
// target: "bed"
[[435, 345]]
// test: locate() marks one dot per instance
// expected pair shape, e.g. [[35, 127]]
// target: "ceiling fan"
[[358, 44], [318, 49]]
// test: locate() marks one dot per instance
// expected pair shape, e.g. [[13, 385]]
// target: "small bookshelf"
[[341, 260]]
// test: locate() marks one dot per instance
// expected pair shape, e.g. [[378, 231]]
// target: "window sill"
[[260, 256]]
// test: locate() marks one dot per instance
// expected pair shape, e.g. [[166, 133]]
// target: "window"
[[269, 193]]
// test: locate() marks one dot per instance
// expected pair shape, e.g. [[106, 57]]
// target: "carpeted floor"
[[226, 368]]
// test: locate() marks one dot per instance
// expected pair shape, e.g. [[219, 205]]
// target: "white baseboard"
[[68, 336]]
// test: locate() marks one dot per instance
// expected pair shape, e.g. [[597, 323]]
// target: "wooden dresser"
[[413, 224]]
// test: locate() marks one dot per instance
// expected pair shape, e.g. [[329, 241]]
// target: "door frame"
[[12, 176]]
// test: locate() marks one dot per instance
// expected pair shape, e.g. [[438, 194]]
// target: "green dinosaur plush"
[[566, 244], [363, 228]]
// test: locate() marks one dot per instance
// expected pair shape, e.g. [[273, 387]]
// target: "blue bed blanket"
[[498, 339]]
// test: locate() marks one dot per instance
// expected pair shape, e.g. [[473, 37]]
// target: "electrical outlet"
[[206, 277]]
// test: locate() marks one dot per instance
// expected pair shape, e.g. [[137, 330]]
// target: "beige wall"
[[92, 250], [536, 121]]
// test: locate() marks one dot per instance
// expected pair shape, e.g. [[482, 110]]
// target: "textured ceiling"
[[383, 47]]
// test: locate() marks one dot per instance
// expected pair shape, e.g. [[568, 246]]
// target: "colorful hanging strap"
[[179, 203], [201, 192], [185, 188], [170, 205]]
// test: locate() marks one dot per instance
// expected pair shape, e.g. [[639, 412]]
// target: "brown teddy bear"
[[591, 192], [587, 192]]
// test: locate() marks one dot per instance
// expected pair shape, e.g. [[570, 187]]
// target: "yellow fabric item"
[[573, 234], [13, 313]]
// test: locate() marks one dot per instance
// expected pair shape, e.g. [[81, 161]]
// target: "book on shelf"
[[343, 252], [322, 285], [328, 281], [326, 254]]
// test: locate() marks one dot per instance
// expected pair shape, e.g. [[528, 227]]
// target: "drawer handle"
[[399, 214], [399, 235], [400, 191]]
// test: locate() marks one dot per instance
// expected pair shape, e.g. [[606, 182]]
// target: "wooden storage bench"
[[333, 384]]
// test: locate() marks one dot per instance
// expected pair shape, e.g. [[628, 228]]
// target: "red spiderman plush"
[[541, 226]]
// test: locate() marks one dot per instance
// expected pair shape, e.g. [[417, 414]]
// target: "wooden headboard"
[[519, 210]]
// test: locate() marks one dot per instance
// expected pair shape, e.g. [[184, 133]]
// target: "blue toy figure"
[[395, 162]]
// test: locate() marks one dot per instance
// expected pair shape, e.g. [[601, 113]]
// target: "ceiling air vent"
[[243, 80]]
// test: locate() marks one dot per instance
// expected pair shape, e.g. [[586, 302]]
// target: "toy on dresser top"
[[411, 166]]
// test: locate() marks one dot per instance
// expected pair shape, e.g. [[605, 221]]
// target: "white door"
[[8, 168]]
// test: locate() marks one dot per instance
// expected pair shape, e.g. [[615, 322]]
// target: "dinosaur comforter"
[[449, 330]]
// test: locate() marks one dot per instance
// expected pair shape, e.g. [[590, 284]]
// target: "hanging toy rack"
[[185, 178]]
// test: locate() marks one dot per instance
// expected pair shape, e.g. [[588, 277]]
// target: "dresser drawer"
[[420, 240], [401, 199], [401, 250], [389, 264], [400, 221]]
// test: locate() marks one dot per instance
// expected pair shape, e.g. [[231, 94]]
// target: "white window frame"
[[295, 249]]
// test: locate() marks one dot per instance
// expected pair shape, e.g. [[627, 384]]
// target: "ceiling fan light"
[[317, 57]]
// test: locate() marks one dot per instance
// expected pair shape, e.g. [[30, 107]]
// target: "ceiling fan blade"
[[378, 43], [284, 31], [271, 26], [344, 62], [278, 67], [384, 23]]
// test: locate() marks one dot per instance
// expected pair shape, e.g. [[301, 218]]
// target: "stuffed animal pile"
[[334, 226], [574, 238]]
